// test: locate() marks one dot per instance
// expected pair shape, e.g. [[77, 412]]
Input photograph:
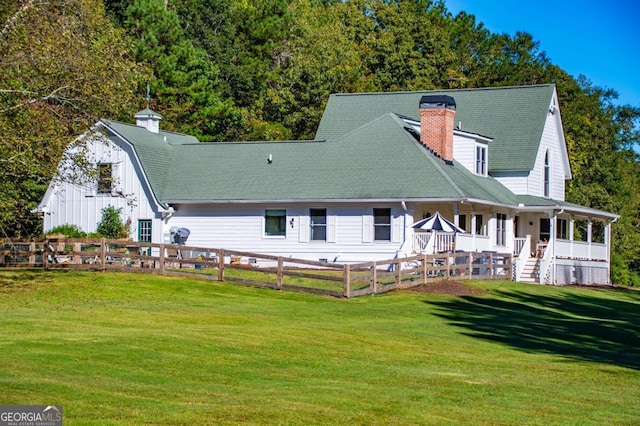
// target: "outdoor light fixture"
[[291, 223]]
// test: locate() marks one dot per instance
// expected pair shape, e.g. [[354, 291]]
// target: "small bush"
[[111, 226], [69, 231]]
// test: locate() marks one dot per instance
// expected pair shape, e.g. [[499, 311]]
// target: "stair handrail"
[[546, 264], [522, 258]]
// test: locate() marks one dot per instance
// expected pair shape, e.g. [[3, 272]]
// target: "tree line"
[[263, 70]]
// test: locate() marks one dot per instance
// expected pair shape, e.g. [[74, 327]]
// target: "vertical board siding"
[[80, 204]]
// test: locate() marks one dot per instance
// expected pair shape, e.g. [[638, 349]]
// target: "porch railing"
[[436, 242], [518, 244], [581, 250], [421, 241], [445, 241]]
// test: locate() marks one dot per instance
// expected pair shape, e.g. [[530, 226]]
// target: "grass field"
[[138, 349]]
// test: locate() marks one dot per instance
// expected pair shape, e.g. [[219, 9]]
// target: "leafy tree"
[[64, 66]]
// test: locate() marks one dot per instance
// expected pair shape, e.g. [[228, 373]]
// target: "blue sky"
[[599, 39]]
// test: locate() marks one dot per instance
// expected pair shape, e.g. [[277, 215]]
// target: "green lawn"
[[137, 349]]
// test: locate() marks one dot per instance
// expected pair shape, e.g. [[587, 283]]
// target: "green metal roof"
[[514, 117]]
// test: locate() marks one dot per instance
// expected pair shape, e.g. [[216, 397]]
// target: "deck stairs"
[[531, 271]]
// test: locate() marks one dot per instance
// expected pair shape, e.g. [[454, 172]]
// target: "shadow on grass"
[[575, 325]]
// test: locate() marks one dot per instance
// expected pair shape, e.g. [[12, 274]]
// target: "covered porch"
[[557, 243]]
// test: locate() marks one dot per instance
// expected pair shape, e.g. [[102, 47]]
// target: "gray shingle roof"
[[548, 203], [513, 116], [377, 161]]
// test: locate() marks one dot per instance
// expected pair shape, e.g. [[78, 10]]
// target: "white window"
[[480, 228], [481, 160], [318, 224], [275, 223], [501, 229], [382, 224], [547, 175]]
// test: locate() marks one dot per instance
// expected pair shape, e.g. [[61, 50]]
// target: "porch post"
[[456, 214], [553, 216], [571, 225], [607, 240], [589, 237]]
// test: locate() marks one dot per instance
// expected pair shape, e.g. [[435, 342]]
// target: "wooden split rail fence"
[[261, 270]]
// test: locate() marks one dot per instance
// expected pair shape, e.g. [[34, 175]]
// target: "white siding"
[[240, 227], [516, 182], [82, 206], [464, 151]]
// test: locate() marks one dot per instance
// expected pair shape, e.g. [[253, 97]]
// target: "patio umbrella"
[[437, 223]]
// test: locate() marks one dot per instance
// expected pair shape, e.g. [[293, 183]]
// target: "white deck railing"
[[445, 241], [518, 244], [436, 242], [581, 250], [421, 241]]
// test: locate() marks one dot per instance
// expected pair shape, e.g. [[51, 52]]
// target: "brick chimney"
[[437, 113]]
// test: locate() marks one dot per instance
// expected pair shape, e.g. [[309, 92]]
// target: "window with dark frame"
[[318, 224], [545, 229], [105, 178], [462, 221], [144, 235], [144, 230], [275, 223], [382, 224], [479, 225], [501, 229]]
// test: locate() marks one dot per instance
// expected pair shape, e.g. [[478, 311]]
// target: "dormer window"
[[481, 160]]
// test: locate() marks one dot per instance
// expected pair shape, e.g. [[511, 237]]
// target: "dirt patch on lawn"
[[451, 287]]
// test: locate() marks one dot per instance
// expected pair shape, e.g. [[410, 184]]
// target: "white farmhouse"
[[493, 161]]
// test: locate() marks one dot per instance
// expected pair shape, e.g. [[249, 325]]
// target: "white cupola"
[[149, 120]]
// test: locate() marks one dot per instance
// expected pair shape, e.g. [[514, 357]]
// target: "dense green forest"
[[263, 70]]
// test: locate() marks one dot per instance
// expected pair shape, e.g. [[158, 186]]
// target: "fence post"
[[45, 254], [398, 273], [490, 263], [346, 281], [77, 259], [103, 254], [163, 252], [470, 266], [280, 273], [446, 265], [373, 280], [424, 269], [32, 254], [221, 265]]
